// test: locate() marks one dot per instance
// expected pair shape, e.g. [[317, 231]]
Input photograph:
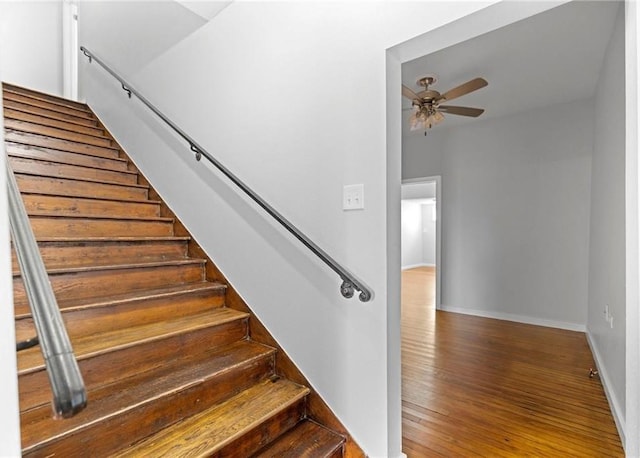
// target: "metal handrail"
[[67, 386], [349, 280]]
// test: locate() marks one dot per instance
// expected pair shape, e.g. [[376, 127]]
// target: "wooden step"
[[25, 99], [237, 427], [95, 315], [79, 172], [61, 205], [10, 88], [140, 407], [91, 251], [41, 111], [306, 440], [105, 358], [18, 115], [59, 144], [95, 226], [63, 134], [64, 157], [36, 184], [99, 281]]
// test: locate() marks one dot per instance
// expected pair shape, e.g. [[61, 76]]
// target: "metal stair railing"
[[350, 282], [67, 386]]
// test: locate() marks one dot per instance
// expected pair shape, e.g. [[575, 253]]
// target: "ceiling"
[[553, 57], [206, 9]]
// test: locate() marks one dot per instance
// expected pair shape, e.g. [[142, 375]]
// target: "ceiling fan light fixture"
[[424, 117], [427, 103]]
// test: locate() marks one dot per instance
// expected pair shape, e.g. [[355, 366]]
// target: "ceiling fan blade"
[[463, 89], [462, 111], [408, 93]]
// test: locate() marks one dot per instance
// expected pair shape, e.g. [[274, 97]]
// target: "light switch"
[[353, 197]]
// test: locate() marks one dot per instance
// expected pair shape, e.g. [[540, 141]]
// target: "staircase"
[[173, 360]]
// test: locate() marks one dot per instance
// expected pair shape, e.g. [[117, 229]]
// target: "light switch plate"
[[353, 197]]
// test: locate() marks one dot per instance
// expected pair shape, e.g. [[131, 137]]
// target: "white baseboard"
[[614, 405], [517, 318], [413, 266]]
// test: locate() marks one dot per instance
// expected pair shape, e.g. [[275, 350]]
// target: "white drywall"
[[418, 233], [607, 225], [515, 209], [9, 421], [412, 249], [130, 34], [429, 234], [276, 90], [31, 44]]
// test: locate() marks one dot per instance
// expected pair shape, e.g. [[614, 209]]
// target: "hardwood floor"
[[475, 386]]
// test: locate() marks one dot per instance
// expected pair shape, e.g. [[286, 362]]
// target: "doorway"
[[420, 228]]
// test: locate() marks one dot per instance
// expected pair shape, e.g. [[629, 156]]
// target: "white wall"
[[130, 34], [412, 243], [275, 91], [9, 422], [418, 233], [429, 234], [31, 44], [607, 225], [515, 213]]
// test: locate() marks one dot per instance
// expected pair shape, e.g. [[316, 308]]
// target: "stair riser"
[[39, 129], [257, 438], [110, 367], [63, 157], [11, 89], [52, 122], [46, 105], [72, 227], [51, 169], [82, 285], [104, 253], [36, 203], [67, 187], [63, 145], [110, 318], [39, 111]]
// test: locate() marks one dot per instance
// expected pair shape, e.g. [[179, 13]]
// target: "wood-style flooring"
[[481, 387]]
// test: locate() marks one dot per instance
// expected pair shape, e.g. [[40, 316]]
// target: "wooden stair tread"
[[84, 347], [37, 95], [110, 239], [209, 431], [26, 138], [51, 169], [53, 114], [306, 440], [45, 104], [65, 157], [162, 219], [29, 160], [140, 295], [65, 269], [87, 180], [50, 121], [144, 388], [54, 132], [97, 198]]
